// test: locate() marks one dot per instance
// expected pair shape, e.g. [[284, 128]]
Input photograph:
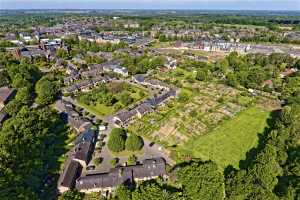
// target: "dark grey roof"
[[70, 174], [82, 151], [126, 115], [143, 108], [87, 136], [161, 98], [84, 83], [3, 116], [139, 78], [123, 175], [77, 122], [72, 88], [157, 83], [5, 94]]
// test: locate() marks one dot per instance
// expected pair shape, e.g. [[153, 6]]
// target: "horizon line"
[[162, 9]]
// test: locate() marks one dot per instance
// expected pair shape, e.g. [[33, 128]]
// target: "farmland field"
[[229, 143]]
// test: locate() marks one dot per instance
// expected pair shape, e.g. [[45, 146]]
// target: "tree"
[[153, 191], [183, 97], [232, 80], [71, 195], [4, 79], [24, 95], [122, 193], [23, 75], [116, 141], [201, 180], [31, 143], [134, 142], [13, 107], [126, 99], [202, 75], [46, 91]]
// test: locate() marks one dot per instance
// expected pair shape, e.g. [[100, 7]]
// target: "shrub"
[[114, 161], [98, 161], [132, 160]]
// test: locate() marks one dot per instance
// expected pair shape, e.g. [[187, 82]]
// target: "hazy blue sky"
[[153, 4]]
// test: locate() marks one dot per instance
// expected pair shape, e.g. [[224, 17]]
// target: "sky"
[[153, 4]]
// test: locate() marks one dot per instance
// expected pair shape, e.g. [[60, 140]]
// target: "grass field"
[[98, 109], [229, 144]]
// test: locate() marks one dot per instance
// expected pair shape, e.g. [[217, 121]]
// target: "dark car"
[[92, 167]]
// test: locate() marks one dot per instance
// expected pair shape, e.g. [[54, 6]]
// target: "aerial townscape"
[[149, 104]]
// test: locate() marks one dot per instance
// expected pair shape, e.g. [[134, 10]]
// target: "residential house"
[[67, 179], [156, 84], [83, 153], [85, 85], [171, 63], [120, 70], [139, 78], [123, 118], [131, 25], [143, 109], [115, 67], [6, 94], [155, 101], [288, 72], [79, 124], [127, 175], [26, 37], [71, 89]]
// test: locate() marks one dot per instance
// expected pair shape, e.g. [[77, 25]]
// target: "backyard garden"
[[109, 98]]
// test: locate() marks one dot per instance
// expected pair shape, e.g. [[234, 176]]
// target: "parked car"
[[91, 167]]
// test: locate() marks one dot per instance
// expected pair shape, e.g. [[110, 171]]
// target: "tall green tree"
[[116, 141], [134, 142], [201, 180], [46, 91]]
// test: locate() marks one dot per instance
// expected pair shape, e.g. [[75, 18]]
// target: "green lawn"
[[229, 143], [99, 109]]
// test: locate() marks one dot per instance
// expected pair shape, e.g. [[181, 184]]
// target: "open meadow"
[[230, 142]]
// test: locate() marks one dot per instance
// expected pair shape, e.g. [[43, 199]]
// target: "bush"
[[98, 121], [116, 141], [98, 161], [132, 160], [114, 161], [183, 97], [134, 143]]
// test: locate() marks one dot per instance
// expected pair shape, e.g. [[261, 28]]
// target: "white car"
[[102, 128]]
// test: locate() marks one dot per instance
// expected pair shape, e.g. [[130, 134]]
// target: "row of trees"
[[85, 45], [141, 64]]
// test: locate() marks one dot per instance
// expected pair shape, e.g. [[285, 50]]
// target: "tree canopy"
[[116, 141], [134, 142]]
